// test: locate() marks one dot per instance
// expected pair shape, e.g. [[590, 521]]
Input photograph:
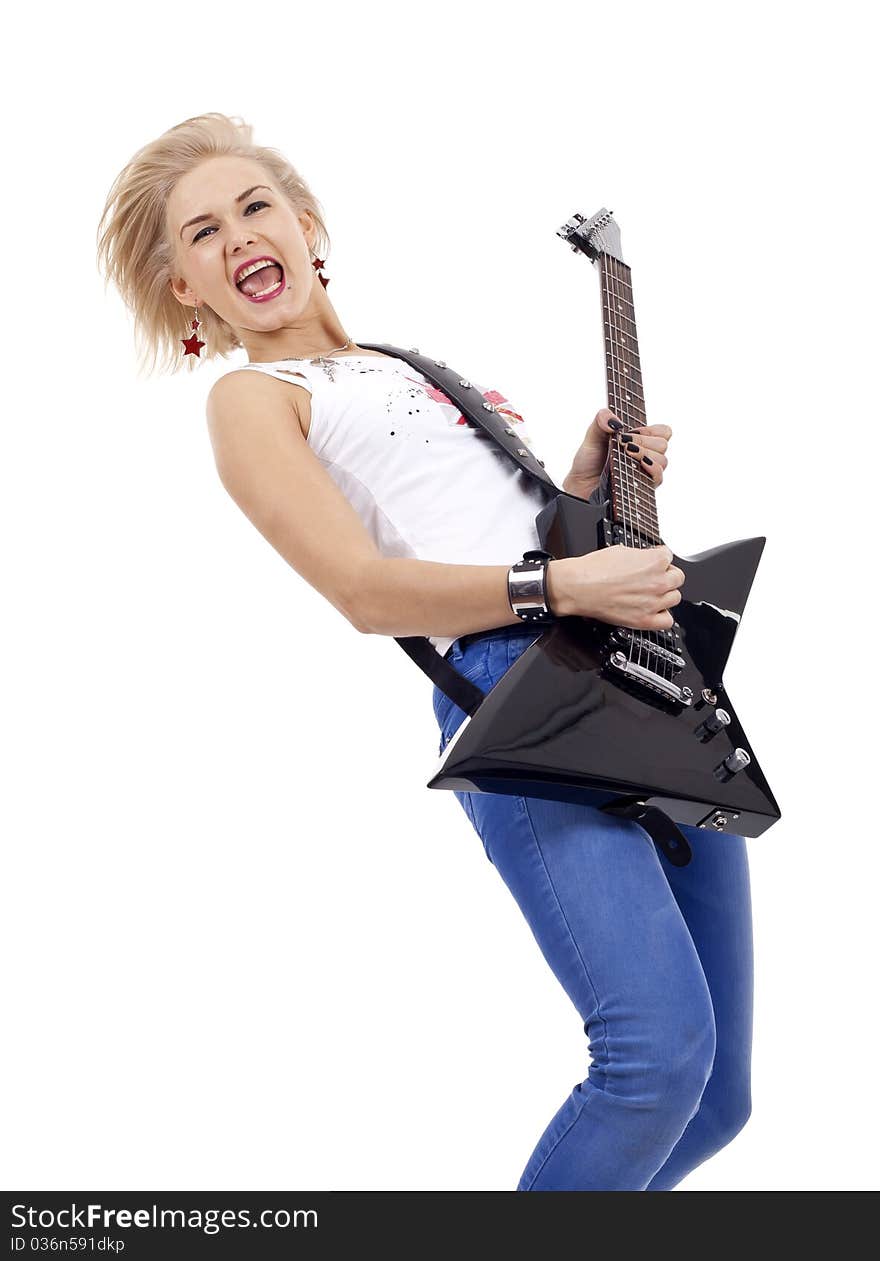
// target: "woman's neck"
[[317, 333]]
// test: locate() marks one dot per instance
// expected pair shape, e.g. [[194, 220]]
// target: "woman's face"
[[232, 230]]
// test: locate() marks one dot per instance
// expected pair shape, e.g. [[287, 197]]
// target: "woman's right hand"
[[624, 586]]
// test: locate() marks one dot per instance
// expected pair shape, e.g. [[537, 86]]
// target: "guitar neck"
[[633, 502]]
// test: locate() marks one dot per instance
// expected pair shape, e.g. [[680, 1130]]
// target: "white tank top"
[[424, 482]]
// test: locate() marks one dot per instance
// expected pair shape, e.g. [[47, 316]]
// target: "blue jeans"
[[657, 960]]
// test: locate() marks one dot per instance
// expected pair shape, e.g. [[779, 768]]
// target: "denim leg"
[[713, 894], [594, 894], [646, 952]]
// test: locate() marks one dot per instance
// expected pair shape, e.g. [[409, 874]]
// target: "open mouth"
[[262, 282]]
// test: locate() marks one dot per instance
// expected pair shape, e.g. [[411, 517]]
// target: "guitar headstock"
[[593, 237]]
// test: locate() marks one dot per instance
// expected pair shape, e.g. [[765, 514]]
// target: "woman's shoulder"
[[250, 378]]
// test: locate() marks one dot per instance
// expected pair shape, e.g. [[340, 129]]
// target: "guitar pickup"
[[639, 644], [665, 654]]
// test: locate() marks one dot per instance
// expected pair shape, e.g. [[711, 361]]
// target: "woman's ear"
[[309, 229], [182, 292]]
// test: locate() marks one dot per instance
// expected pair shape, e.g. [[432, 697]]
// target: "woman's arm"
[[424, 597], [268, 468]]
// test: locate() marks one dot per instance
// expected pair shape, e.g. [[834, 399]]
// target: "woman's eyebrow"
[[241, 196]]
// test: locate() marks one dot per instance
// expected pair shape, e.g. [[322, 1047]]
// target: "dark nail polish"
[[631, 446], [616, 424], [647, 459]]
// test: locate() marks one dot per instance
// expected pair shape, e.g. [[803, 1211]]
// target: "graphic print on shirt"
[[454, 416]]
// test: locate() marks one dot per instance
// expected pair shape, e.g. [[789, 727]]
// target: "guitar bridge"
[[648, 678]]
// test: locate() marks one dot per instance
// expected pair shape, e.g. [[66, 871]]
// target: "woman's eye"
[[198, 235]]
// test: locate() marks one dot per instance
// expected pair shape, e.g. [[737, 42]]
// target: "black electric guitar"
[[634, 722]]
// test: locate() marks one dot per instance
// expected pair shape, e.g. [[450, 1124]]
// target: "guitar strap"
[[466, 695]]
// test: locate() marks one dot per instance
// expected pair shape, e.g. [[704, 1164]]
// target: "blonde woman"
[[310, 440]]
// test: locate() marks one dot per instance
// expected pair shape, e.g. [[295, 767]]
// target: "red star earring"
[[193, 344], [318, 263]]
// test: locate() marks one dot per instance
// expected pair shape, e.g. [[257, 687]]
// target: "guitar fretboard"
[[633, 502]]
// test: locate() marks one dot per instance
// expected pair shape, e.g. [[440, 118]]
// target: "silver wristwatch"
[[527, 587]]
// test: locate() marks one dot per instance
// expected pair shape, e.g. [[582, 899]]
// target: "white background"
[[245, 946]]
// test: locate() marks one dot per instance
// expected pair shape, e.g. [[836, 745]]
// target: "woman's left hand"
[[650, 442]]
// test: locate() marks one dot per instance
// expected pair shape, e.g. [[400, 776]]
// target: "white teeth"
[[261, 262], [271, 289]]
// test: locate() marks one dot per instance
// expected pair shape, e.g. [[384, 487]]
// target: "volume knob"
[[735, 762], [712, 725]]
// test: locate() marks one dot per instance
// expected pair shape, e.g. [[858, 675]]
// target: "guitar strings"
[[620, 351], [640, 508], [618, 457], [643, 480], [635, 479]]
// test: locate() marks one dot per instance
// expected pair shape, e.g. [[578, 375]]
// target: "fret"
[[616, 325], [640, 504], [626, 391], [616, 329], [635, 517], [633, 503], [638, 538], [621, 308], [620, 354], [634, 401]]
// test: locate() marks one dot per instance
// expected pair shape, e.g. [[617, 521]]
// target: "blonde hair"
[[135, 250]]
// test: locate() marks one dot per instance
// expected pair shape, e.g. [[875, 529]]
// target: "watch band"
[[527, 587]]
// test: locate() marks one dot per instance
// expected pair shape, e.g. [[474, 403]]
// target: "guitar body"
[[637, 723], [607, 716]]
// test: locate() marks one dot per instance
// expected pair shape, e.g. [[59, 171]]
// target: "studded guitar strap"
[[482, 414]]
